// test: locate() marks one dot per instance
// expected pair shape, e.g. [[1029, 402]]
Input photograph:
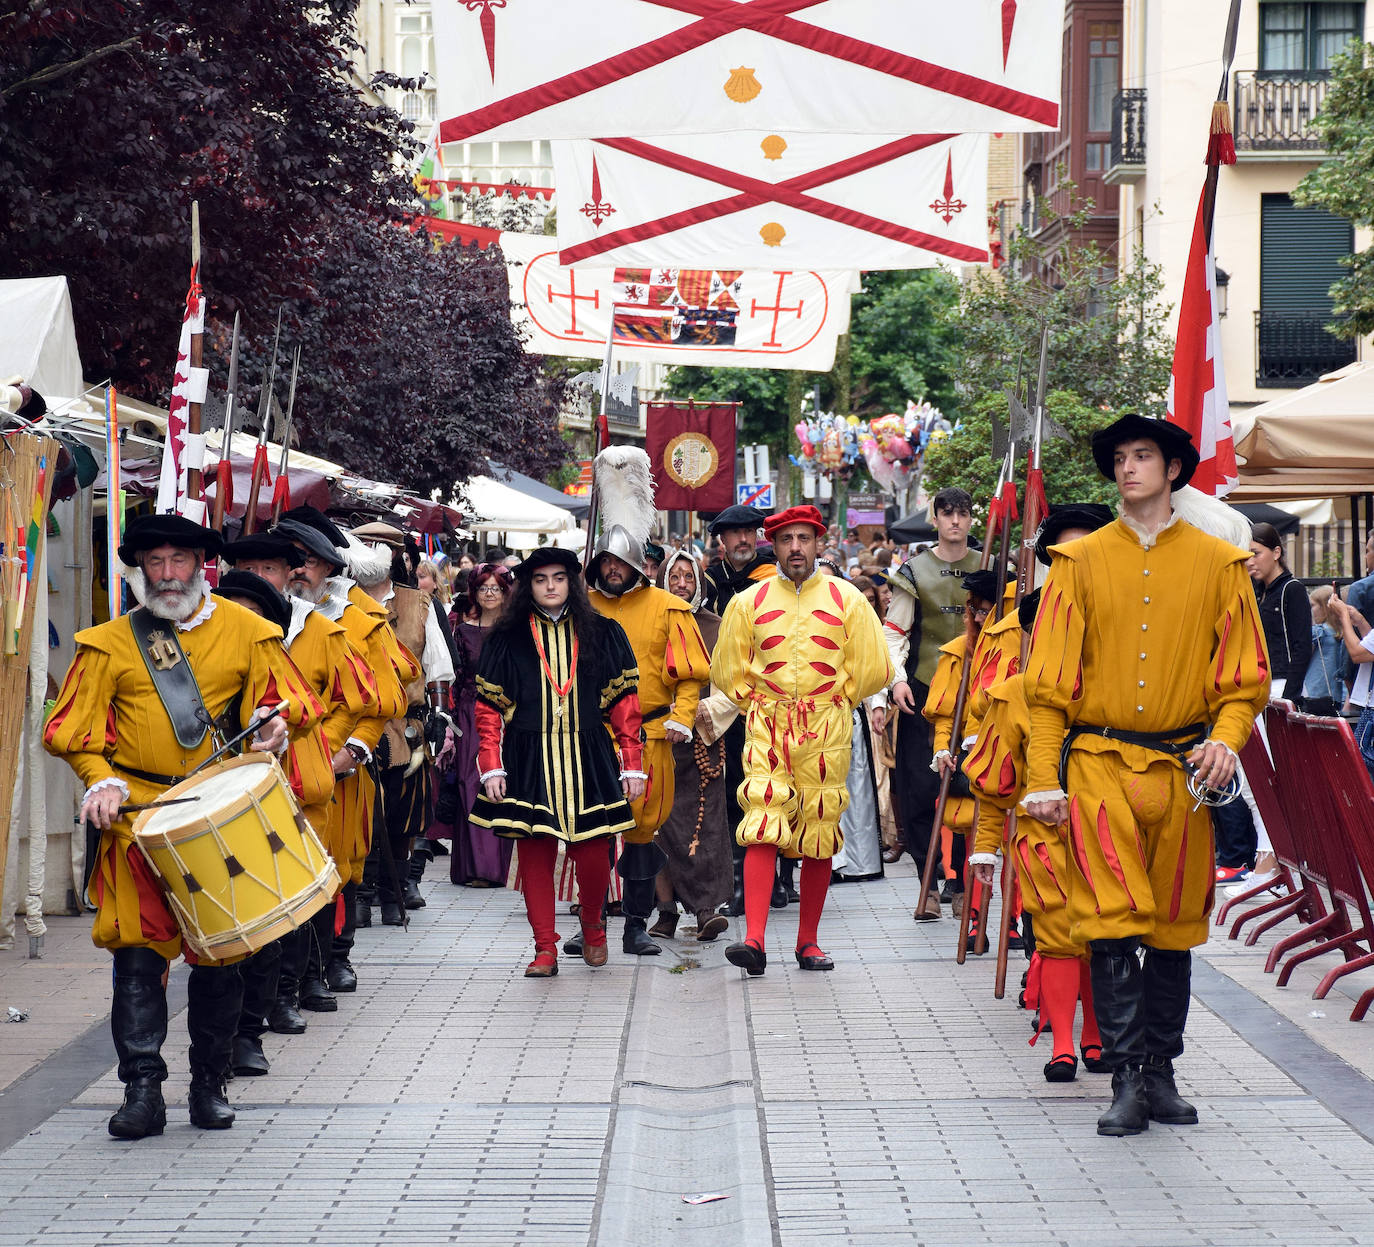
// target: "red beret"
[[805, 514]]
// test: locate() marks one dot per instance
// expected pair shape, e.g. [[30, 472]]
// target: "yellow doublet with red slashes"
[[996, 769], [797, 660], [939, 709], [1157, 638]]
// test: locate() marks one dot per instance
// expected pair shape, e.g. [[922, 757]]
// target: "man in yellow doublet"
[[796, 655], [1147, 657], [673, 666], [110, 725]]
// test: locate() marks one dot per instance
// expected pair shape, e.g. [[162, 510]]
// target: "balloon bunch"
[[890, 446]]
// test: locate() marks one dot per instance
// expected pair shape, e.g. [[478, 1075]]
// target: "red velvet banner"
[[692, 449]]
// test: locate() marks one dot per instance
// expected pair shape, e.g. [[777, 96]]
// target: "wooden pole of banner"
[[195, 491]]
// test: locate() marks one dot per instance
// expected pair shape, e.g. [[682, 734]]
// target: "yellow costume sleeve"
[[1239, 687], [352, 692], [390, 695], [80, 729], [866, 651], [734, 648], [686, 665], [995, 765], [274, 678], [944, 691], [1054, 674]]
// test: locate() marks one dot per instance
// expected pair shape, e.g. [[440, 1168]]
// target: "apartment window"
[[410, 25], [412, 58], [1104, 73], [1306, 38]]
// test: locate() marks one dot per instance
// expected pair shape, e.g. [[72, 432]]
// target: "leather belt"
[[1174, 744], [148, 777]]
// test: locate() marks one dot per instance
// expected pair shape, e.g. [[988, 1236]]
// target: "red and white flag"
[[755, 200], [183, 450], [745, 318], [1197, 386], [545, 69]]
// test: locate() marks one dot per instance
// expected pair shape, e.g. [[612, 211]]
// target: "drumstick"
[[155, 805], [248, 731]]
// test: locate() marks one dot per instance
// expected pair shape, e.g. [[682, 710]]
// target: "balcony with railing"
[[1128, 137], [1294, 348], [1273, 111]]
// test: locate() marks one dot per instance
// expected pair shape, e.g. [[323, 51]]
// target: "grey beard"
[[302, 589], [739, 559], [178, 606]]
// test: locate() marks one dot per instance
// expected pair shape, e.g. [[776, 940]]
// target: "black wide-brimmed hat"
[[1173, 443], [315, 541], [147, 532], [275, 608], [1089, 515], [314, 518], [548, 556], [738, 517], [1026, 609], [983, 583], [269, 545]]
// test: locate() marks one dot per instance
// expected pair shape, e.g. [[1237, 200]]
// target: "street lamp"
[[1223, 281]]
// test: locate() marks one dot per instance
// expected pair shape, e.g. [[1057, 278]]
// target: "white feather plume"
[[1212, 516], [625, 491], [367, 564]]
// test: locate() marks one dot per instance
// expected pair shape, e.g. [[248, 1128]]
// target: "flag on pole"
[[114, 507], [1197, 386], [692, 449], [188, 386], [431, 178]]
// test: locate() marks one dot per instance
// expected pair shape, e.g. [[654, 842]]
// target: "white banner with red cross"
[[773, 318], [756, 200], [537, 69]]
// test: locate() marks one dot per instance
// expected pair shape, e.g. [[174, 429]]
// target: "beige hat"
[[377, 531]]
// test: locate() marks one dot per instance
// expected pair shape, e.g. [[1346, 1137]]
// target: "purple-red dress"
[[479, 858]]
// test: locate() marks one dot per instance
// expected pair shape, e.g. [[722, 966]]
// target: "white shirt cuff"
[[112, 781], [634, 775], [1055, 794], [367, 753], [673, 723], [935, 761], [486, 775], [982, 859]]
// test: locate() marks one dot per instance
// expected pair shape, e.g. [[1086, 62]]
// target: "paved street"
[[893, 1101]]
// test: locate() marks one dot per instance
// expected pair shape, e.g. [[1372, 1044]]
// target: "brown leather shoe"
[[711, 926], [594, 954], [930, 910], [544, 965], [893, 853]]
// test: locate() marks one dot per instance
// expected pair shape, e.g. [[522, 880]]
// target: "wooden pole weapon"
[[195, 490], [224, 471], [281, 491], [250, 516]]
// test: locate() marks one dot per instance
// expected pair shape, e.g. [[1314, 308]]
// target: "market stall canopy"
[[577, 507], [496, 507], [1315, 443], [913, 527], [38, 335]]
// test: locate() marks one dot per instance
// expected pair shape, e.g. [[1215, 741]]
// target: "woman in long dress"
[[480, 859]]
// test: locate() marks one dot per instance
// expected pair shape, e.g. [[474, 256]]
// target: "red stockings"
[[591, 861], [760, 866]]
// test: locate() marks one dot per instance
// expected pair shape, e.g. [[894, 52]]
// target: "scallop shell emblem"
[[742, 86], [773, 147], [772, 234]]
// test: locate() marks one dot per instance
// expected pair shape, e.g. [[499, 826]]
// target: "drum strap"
[[172, 676]]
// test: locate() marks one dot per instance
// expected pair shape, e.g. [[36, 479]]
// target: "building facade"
[[1275, 261]]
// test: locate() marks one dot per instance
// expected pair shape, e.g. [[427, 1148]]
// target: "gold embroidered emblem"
[[773, 147], [772, 234], [162, 651], [691, 459]]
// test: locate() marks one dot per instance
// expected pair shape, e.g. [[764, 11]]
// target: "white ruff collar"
[[1146, 536], [207, 609]]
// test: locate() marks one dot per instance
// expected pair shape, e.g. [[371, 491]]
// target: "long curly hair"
[[586, 620]]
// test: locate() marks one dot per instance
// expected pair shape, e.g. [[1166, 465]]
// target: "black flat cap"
[[548, 556], [269, 545], [1089, 515], [275, 608], [148, 532], [738, 517], [318, 520], [314, 541]]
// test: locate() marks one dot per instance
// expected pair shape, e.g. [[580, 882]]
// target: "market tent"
[[1317, 442], [575, 506], [495, 507], [38, 336], [913, 527]]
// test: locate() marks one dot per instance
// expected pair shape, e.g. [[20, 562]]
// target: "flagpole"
[[601, 435], [195, 442], [1221, 144], [114, 509]]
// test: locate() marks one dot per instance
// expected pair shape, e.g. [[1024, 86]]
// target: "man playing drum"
[[126, 722]]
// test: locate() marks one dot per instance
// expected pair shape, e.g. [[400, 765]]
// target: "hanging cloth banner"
[[773, 318], [756, 200], [692, 451], [544, 69]]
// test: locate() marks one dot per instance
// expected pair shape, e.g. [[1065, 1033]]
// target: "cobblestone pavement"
[[893, 1101]]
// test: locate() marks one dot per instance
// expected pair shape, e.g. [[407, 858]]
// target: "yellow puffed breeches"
[[348, 834], [796, 760], [652, 809], [1143, 856]]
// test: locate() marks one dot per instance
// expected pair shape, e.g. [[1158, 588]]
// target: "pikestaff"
[[281, 491], [195, 443], [250, 516], [224, 472], [1000, 513]]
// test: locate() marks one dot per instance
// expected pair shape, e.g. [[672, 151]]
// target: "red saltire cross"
[[787, 193], [769, 17]]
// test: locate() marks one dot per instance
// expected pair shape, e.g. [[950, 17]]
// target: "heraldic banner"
[[692, 450], [743, 318]]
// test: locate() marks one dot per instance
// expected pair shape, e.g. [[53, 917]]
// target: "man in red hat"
[[796, 653]]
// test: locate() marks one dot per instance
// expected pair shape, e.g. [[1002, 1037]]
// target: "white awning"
[[494, 507]]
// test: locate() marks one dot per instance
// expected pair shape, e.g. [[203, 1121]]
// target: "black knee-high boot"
[[1168, 989], [338, 972], [1119, 994], [420, 857], [138, 1023], [735, 907], [285, 1017], [259, 974], [787, 878], [214, 1001], [317, 935]]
